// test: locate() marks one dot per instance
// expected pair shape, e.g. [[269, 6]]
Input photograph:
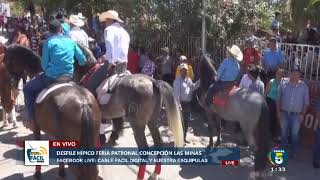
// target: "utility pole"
[[203, 36]]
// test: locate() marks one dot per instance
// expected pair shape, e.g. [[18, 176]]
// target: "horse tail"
[[172, 111], [263, 138], [86, 139]]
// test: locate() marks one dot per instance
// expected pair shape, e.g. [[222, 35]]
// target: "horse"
[[139, 99], [247, 108], [68, 113]]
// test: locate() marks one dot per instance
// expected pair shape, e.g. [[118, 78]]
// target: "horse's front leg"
[[37, 136]]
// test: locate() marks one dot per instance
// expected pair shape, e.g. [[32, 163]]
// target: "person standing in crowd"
[[21, 38], [271, 94], [76, 33], [272, 60], [256, 85], [316, 149], [275, 27], [251, 55], [142, 58], [149, 66], [34, 41], [57, 60], [228, 72], [183, 88], [292, 104], [65, 26], [133, 60], [183, 60], [167, 66]]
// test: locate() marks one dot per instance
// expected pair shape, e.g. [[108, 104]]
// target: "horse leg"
[[218, 128], [117, 124], [4, 118], [157, 143], [141, 141], [13, 117], [102, 136], [37, 136]]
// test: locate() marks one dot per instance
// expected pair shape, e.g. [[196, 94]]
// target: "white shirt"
[[183, 89], [79, 36], [245, 81], [117, 43]]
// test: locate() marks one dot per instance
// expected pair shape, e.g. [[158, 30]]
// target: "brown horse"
[[68, 113]]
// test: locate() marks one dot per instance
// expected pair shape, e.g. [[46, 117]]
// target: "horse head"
[[8, 96], [20, 60], [207, 73]]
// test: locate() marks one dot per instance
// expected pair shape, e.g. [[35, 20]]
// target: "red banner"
[[64, 144]]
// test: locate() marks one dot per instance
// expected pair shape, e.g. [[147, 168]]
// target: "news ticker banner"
[[69, 152]]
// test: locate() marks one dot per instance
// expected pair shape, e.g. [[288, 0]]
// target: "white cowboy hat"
[[3, 40], [111, 14], [75, 20], [183, 58], [183, 66], [81, 16], [235, 51]]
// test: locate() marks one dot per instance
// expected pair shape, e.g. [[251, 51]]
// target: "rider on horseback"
[[57, 61], [228, 72]]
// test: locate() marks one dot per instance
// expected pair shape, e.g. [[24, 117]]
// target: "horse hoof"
[[37, 175], [154, 176]]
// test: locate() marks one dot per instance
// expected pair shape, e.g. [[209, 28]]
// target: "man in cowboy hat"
[[117, 42], [76, 33], [183, 88], [292, 103], [228, 72]]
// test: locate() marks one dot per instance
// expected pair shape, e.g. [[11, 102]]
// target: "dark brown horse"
[[68, 113]]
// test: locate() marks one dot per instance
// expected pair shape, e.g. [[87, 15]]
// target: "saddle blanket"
[[44, 93], [222, 98], [104, 91]]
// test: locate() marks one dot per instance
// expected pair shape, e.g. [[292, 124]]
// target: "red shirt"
[[133, 62], [250, 56]]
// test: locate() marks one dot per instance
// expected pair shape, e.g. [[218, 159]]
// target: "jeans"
[[215, 88], [290, 123], [316, 148], [185, 116], [31, 91], [101, 74]]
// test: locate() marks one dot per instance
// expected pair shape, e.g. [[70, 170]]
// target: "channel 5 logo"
[[36, 153]]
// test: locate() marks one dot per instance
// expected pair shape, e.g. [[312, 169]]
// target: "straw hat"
[[111, 14], [183, 58], [183, 66], [75, 20], [165, 49], [3, 40], [235, 51]]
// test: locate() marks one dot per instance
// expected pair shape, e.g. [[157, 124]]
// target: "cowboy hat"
[[235, 51], [165, 49], [81, 16], [3, 40], [183, 58], [111, 14], [75, 20], [183, 66]]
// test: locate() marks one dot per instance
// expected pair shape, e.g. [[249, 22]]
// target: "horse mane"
[[20, 55], [91, 60], [207, 73]]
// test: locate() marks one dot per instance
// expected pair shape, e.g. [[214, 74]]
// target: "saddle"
[[88, 75], [62, 81], [222, 98], [108, 86]]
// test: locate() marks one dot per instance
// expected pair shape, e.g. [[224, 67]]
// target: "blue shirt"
[[58, 54], [228, 70], [272, 59], [293, 98], [66, 29]]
